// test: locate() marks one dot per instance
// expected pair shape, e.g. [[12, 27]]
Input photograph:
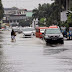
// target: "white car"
[[27, 32], [15, 29]]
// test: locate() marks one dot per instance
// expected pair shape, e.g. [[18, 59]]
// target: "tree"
[[50, 11], [25, 22], [35, 13], [69, 20], [1, 10]]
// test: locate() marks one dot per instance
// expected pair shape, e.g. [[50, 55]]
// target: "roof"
[[54, 26], [29, 14], [42, 28], [10, 8], [17, 15], [14, 8]]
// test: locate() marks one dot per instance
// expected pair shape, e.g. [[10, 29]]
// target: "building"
[[8, 11], [14, 19], [29, 13], [14, 15]]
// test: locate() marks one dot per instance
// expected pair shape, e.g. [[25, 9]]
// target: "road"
[[33, 55]]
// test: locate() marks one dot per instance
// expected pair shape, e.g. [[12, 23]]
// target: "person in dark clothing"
[[13, 34]]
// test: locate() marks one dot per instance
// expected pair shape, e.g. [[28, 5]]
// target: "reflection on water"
[[1, 52], [23, 56], [1, 32], [0, 45], [1, 39], [54, 45], [51, 49]]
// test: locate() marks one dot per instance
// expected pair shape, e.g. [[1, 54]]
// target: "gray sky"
[[27, 4]]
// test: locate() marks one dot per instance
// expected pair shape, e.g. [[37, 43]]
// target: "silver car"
[[53, 35], [27, 32], [15, 29]]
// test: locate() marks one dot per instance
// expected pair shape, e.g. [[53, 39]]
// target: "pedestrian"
[[13, 34]]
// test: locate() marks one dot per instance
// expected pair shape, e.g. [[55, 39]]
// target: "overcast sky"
[[27, 4]]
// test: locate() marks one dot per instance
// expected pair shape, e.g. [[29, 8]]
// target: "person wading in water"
[[13, 34]]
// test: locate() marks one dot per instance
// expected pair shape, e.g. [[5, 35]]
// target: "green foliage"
[[25, 22], [69, 20], [41, 24], [49, 11], [68, 23], [42, 20], [42, 11], [1, 10]]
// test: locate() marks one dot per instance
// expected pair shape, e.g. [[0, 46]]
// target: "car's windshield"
[[53, 31], [42, 30], [28, 29]]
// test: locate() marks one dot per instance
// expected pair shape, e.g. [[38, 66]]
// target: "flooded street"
[[33, 55]]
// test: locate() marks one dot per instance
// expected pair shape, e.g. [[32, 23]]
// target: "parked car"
[[53, 35], [20, 29], [27, 32], [15, 29]]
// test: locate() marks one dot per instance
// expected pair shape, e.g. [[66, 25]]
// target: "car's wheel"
[[47, 41], [62, 42], [69, 38]]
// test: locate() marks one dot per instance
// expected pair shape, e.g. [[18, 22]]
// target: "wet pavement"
[[33, 55]]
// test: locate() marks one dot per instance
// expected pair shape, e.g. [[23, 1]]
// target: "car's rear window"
[[28, 29], [53, 31]]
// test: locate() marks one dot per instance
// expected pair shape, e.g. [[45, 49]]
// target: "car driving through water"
[[28, 32], [53, 35]]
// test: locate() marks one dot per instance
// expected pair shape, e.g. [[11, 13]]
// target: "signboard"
[[63, 16]]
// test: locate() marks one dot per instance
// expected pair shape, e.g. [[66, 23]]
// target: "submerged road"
[[33, 55]]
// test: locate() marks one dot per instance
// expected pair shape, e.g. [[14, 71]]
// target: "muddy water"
[[33, 55]]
